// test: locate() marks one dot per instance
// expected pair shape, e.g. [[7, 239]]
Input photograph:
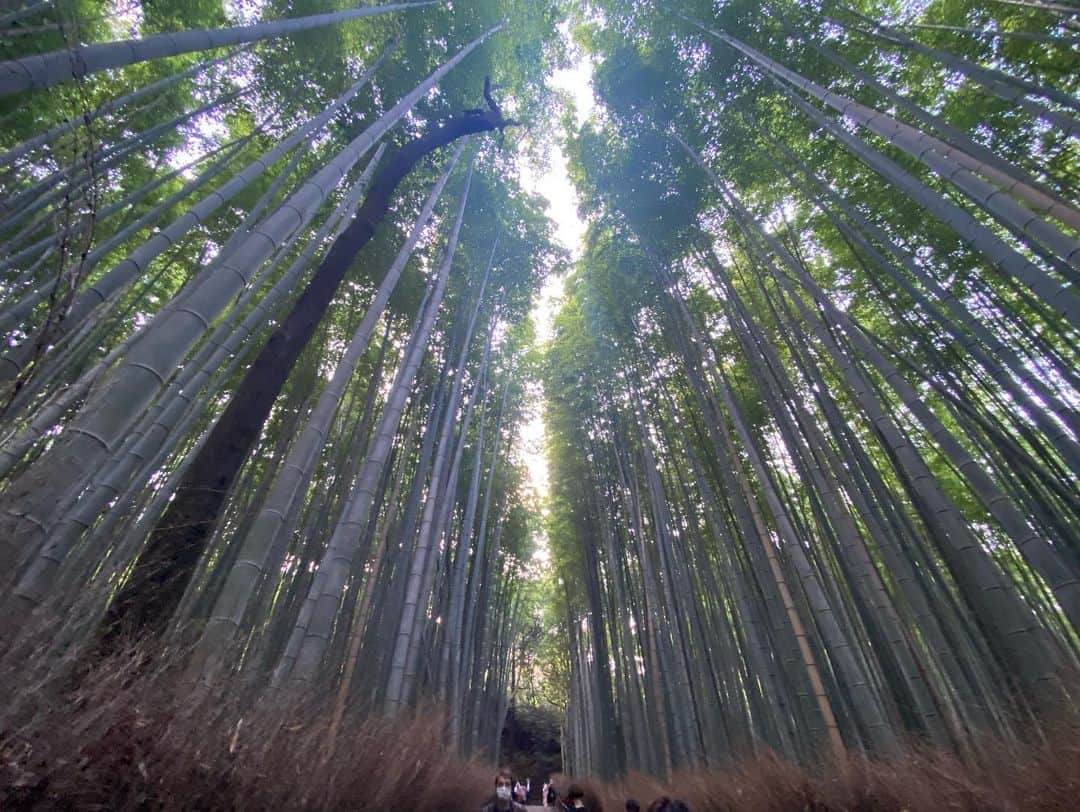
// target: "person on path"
[[503, 802], [574, 798]]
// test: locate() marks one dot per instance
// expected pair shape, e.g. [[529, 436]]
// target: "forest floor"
[[127, 740], [1040, 772], [124, 741]]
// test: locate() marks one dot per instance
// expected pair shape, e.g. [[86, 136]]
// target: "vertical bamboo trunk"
[[452, 660], [1004, 86], [966, 150], [1000, 361], [154, 435], [324, 595], [948, 162], [299, 465], [1058, 298], [15, 362], [190, 515], [44, 70], [1036, 550], [399, 682], [118, 277], [108, 108]]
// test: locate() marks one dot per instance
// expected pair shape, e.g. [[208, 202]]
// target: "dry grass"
[[130, 741], [1037, 775]]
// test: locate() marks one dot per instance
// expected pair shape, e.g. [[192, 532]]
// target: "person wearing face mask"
[[503, 802]]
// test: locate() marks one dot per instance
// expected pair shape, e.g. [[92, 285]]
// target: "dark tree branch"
[[146, 602]]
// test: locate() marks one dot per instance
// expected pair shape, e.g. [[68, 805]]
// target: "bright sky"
[[553, 183]]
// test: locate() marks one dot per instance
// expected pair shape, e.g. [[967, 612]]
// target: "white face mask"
[[503, 793]]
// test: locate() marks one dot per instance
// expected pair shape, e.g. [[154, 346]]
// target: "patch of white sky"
[[126, 18], [550, 179], [209, 129]]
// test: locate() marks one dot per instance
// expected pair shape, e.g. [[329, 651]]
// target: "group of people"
[[510, 796], [507, 794], [520, 792]]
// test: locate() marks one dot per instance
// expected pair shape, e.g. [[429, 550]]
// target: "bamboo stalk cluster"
[[823, 496], [338, 421]]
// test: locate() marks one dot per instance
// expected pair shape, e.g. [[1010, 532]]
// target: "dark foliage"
[[530, 743]]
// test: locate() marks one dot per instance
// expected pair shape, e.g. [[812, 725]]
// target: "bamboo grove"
[[265, 288], [812, 391], [811, 399]]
